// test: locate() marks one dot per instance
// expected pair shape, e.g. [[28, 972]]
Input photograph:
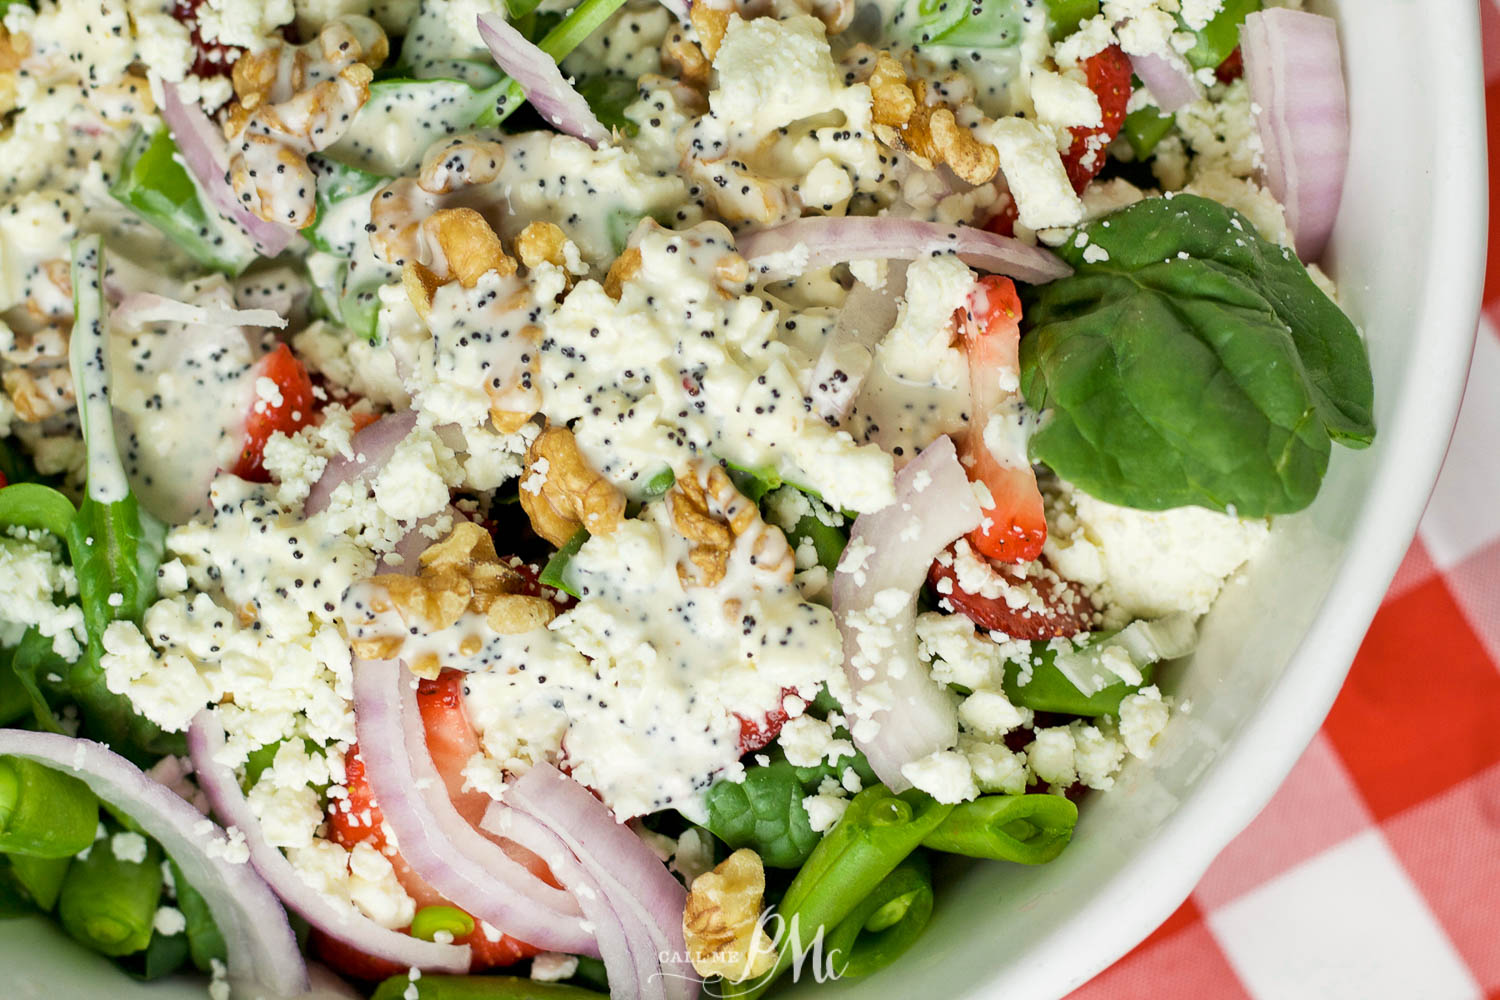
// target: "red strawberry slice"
[[295, 409], [1066, 610]]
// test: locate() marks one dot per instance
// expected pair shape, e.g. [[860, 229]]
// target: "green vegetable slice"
[[44, 813], [878, 831], [1221, 36], [885, 923], [1025, 829], [157, 187], [1191, 363], [109, 903]]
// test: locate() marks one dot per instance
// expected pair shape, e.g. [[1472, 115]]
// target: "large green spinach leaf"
[[1191, 363]]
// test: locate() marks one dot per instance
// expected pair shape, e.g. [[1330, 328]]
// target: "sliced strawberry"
[[350, 961], [451, 742], [3, 481], [1014, 526], [209, 58], [1108, 73], [295, 410], [755, 734], [1232, 68], [450, 739], [1065, 609], [1003, 222]]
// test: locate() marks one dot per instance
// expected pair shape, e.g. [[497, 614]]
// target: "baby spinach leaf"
[[609, 96], [765, 811], [1192, 363], [32, 505]]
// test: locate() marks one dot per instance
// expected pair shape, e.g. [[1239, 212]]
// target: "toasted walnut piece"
[[561, 492], [468, 246], [974, 161], [721, 922], [625, 267], [712, 539], [421, 285], [509, 421], [514, 614], [710, 511], [682, 59], [13, 49], [254, 75], [929, 132], [435, 600], [710, 24], [38, 394], [541, 243], [383, 647], [891, 100]]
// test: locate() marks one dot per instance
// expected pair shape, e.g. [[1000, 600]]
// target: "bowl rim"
[[1237, 785]]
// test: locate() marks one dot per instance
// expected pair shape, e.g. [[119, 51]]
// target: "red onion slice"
[[839, 373], [1170, 81], [457, 860], [203, 150], [900, 714], [788, 250], [140, 308], [262, 951], [639, 887], [539, 75], [1295, 68], [346, 924], [372, 448], [634, 972]]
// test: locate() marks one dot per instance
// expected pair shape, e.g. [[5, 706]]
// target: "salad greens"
[[1026, 829], [114, 548], [155, 185], [885, 923], [1193, 363], [878, 831], [765, 810], [1221, 36], [108, 902], [1047, 689], [44, 813]]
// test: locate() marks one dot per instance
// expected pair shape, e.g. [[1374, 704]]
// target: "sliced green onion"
[[430, 921]]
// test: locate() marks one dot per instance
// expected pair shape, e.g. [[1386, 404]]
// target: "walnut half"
[[459, 575], [561, 492], [721, 922]]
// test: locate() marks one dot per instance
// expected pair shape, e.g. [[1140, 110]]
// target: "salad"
[[534, 499]]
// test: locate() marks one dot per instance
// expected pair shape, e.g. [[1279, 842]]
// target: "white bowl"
[[1408, 255]]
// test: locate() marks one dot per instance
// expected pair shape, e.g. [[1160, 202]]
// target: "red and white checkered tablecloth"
[[1374, 874]]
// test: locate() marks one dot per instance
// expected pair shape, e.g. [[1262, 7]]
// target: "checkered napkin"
[[1374, 874]]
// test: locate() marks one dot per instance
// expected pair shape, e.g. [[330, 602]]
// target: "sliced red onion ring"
[[146, 307], [440, 846], [633, 968], [1170, 81], [819, 241], [344, 923], [900, 713], [262, 951], [866, 316], [203, 150], [539, 75], [1295, 68], [372, 447], [639, 888]]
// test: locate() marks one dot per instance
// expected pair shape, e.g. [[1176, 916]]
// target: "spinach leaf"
[[555, 573], [765, 811], [1195, 364], [609, 96], [32, 505]]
